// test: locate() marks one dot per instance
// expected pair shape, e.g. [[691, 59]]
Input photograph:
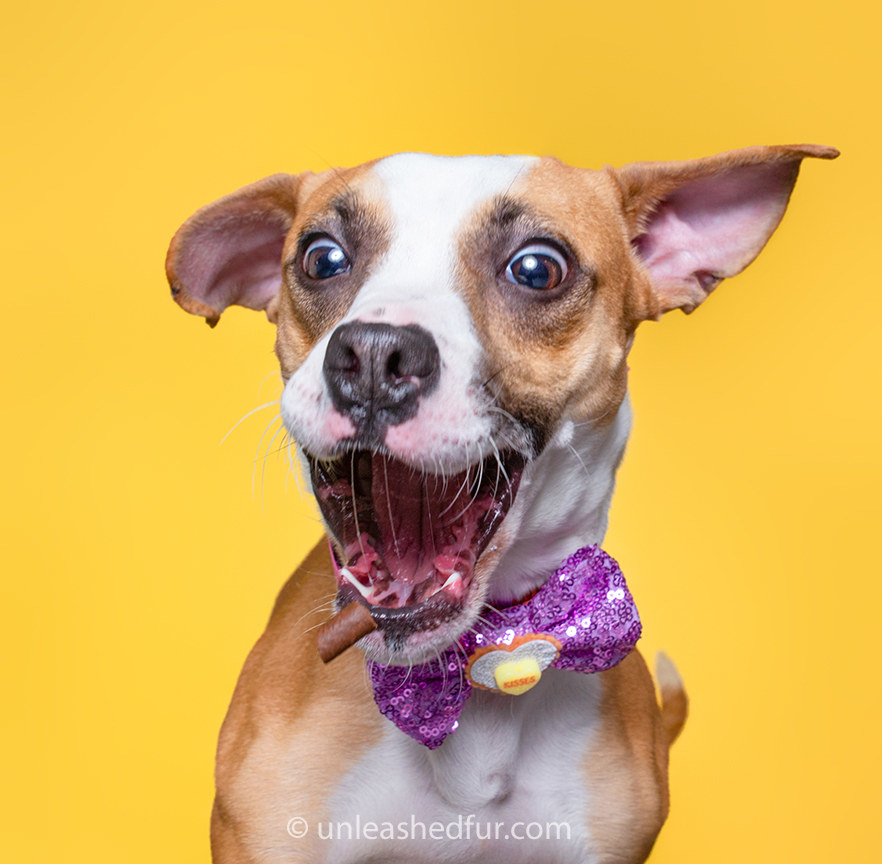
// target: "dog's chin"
[[409, 544], [395, 647]]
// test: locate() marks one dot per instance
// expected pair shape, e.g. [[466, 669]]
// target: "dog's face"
[[446, 324]]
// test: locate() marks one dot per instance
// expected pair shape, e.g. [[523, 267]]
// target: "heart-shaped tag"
[[517, 676], [513, 668]]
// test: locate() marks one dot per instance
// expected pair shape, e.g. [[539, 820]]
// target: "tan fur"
[[296, 334], [627, 765], [577, 361]]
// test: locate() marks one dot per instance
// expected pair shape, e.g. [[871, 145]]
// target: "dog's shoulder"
[[291, 717], [283, 674], [628, 758]]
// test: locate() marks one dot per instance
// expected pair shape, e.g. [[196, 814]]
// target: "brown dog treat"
[[343, 630]]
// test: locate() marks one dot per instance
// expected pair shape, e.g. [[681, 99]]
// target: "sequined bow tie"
[[582, 619]]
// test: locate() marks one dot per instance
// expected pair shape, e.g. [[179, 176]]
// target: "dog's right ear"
[[230, 252]]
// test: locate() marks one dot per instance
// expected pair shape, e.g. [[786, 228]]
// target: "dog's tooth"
[[347, 575], [454, 577]]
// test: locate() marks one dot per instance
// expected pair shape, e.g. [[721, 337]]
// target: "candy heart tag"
[[514, 668], [517, 677]]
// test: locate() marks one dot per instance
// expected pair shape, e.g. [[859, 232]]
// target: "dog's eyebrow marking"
[[347, 207], [345, 214], [509, 215], [506, 211]]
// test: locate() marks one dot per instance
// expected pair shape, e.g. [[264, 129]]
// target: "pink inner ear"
[[235, 262], [712, 228]]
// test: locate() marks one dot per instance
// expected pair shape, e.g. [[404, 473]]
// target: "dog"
[[453, 335]]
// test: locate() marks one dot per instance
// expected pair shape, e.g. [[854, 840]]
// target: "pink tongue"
[[407, 510]]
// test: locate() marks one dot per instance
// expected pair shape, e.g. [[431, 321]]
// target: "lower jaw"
[[412, 633], [394, 643], [395, 648]]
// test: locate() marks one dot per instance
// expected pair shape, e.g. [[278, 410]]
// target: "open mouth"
[[410, 540]]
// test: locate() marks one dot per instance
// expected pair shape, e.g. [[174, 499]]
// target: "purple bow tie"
[[582, 619]]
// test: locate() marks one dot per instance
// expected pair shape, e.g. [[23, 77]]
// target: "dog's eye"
[[538, 266], [324, 258]]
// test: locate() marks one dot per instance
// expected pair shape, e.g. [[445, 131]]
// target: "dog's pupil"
[[326, 261], [536, 271]]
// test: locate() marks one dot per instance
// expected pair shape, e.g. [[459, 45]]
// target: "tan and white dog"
[[453, 335]]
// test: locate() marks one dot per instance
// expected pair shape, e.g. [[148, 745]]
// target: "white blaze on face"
[[428, 200]]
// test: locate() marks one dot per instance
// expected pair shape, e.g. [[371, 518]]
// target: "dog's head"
[[446, 324]]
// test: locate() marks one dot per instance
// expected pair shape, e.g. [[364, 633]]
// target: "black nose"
[[376, 374]]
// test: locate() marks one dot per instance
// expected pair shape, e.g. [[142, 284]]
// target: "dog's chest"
[[509, 784]]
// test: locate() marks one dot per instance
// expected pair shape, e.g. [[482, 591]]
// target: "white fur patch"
[[561, 505], [510, 761]]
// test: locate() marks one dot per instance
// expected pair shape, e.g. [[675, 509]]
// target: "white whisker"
[[259, 447], [355, 502], [245, 417], [581, 462], [389, 507], [276, 373]]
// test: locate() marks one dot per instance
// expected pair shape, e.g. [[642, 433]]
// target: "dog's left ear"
[[694, 223], [230, 252]]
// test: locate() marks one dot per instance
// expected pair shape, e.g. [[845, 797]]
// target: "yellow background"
[[138, 565]]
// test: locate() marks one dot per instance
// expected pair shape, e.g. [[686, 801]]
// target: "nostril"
[[393, 365], [349, 362]]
